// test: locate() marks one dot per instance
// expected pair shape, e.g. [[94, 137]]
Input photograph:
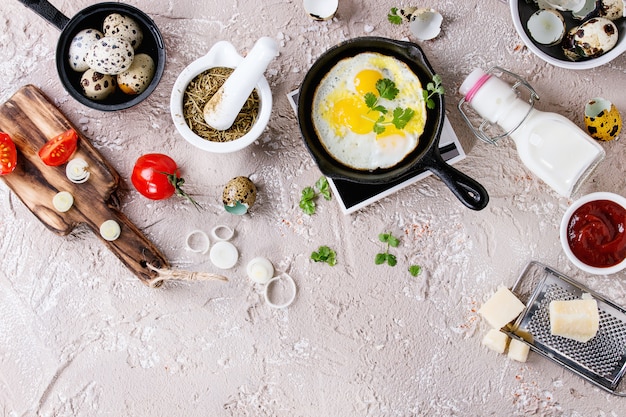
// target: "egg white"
[[359, 146]]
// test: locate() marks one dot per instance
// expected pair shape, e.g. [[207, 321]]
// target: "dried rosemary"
[[199, 92]]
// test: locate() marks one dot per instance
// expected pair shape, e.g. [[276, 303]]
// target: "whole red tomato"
[[157, 177], [8, 154]]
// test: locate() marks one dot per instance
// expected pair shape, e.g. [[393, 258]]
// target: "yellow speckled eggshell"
[[606, 125], [239, 189]]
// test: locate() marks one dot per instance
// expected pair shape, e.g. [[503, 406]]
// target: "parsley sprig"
[[309, 195], [394, 17], [415, 270], [385, 257], [433, 88], [399, 117], [325, 254]]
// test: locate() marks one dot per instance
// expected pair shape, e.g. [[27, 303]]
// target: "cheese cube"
[[575, 319], [496, 340], [502, 308], [518, 350]]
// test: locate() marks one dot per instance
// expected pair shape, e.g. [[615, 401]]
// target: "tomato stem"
[[178, 182]]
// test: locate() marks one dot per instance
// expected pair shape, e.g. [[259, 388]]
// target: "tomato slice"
[[8, 154], [59, 149]]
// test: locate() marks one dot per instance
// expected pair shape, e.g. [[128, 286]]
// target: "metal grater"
[[602, 360]]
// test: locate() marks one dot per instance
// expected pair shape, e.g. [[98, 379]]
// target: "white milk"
[[550, 145]]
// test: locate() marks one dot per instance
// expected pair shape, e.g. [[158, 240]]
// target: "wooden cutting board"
[[31, 120]]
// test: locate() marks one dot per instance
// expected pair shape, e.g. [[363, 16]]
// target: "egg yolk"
[[365, 81], [350, 112]]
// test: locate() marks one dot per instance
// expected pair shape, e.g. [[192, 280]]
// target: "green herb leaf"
[[384, 237], [393, 241], [387, 89], [402, 116], [391, 260], [307, 200], [415, 270], [380, 258], [325, 254], [393, 16], [370, 100], [323, 187]]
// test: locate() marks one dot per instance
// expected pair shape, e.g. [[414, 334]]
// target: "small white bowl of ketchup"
[[593, 233]]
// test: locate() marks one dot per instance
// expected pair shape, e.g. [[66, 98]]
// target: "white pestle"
[[220, 112]]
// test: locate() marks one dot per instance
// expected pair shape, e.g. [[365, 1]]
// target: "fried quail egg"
[[344, 122], [602, 119]]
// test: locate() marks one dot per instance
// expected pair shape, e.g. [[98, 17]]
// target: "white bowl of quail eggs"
[[572, 34]]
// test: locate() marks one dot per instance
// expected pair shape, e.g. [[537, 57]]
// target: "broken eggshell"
[[425, 24], [239, 195], [591, 39], [611, 9], [321, 9], [602, 119], [546, 26]]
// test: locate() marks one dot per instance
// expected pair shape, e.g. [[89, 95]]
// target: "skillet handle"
[[466, 189], [46, 10]]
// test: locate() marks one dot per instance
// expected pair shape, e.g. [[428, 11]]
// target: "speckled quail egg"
[[79, 48], [138, 77], [591, 39], [124, 27], [239, 195], [602, 119], [97, 86], [110, 55]]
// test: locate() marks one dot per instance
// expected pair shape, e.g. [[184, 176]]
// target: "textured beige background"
[[81, 336]]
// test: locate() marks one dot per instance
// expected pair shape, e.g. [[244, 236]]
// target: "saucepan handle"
[[46, 10], [466, 189]]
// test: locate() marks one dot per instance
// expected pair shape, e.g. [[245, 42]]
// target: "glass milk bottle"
[[549, 144]]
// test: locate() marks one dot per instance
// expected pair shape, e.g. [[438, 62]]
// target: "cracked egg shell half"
[[591, 39], [602, 119], [425, 24], [546, 26], [239, 195]]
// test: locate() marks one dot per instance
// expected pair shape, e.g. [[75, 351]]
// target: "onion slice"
[[260, 270], [274, 281], [197, 241], [63, 201], [222, 232], [224, 255], [76, 170], [110, 230]]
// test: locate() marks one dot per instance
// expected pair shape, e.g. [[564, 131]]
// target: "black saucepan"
[[92, 17], [425, 156]]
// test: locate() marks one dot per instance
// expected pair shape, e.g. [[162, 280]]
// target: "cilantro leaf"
[[391, 260], [387, 89], [393, 16], [325, 254], [380, 258], [307, 199], [415, 270], [402, 116]]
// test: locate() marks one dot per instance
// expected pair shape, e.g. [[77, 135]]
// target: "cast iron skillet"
[[425, 156], [92, 17]]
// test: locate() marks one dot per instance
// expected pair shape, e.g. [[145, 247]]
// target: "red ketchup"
[[596, 233]]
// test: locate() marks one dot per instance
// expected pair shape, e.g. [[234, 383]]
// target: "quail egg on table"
[[79, 48], [602, 119], [239, 195], [110, 55], [124, 27], [138, 77], [591, 39], [97, 86]]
